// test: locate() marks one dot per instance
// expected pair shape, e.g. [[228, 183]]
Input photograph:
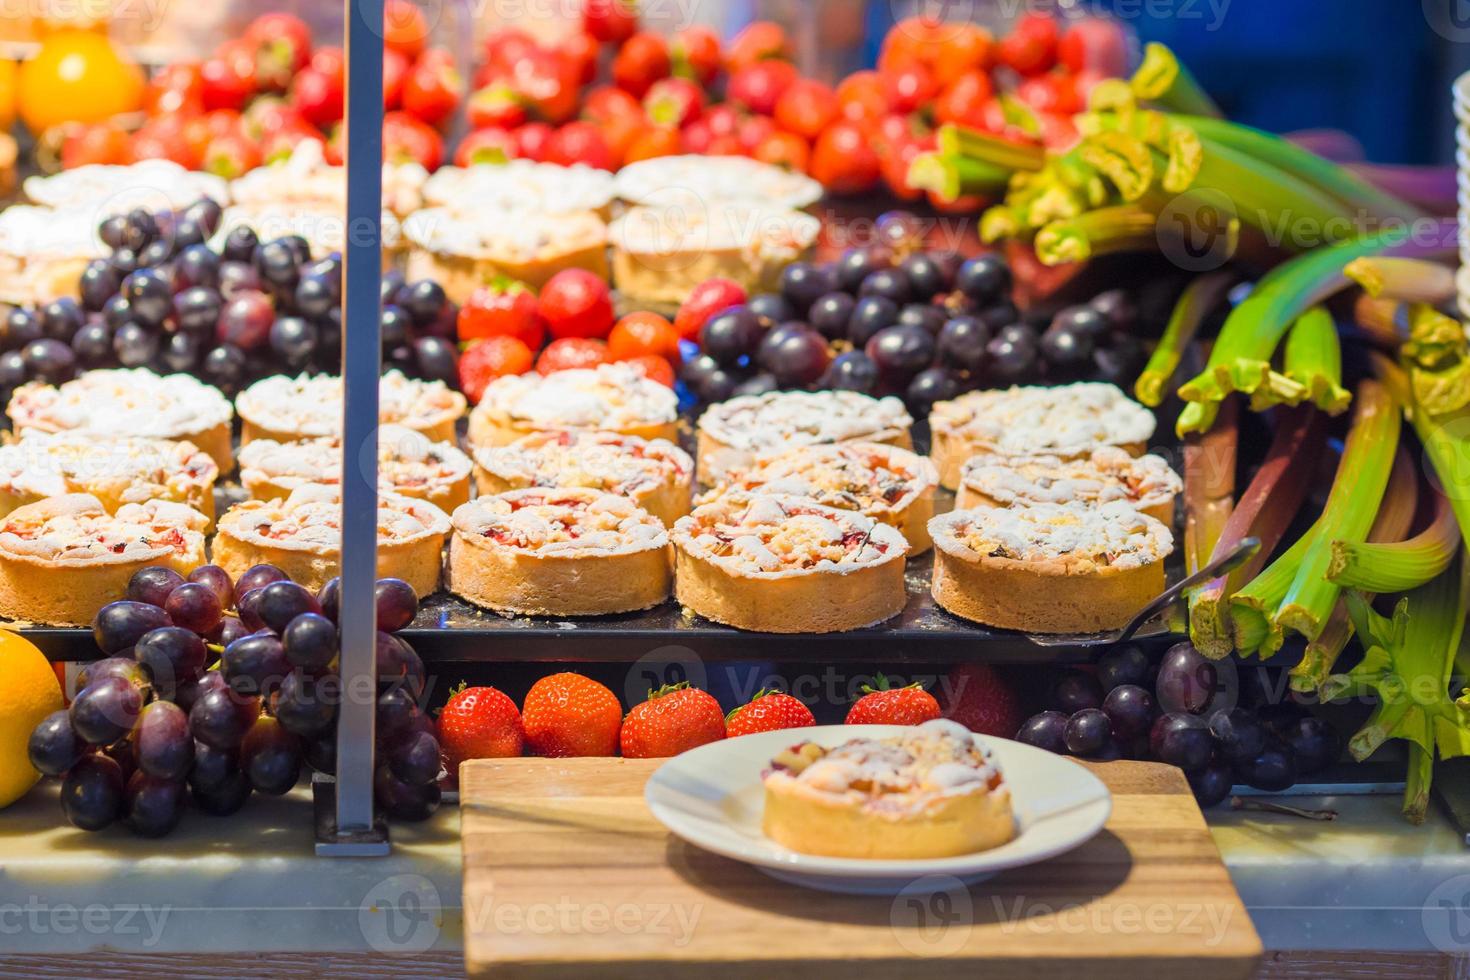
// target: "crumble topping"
[[75, 528], [312, 405], [868, 477], [609, 396], [408, 462], [45, 464], [511, 237], [121, 402], [781, 419], [520, 186], [311, 519], [1083, 538], [1066, 421], [701, 225], [108, 189], [306, 176], [606, 461], [561, 521], [720, 178], [1106, 475]]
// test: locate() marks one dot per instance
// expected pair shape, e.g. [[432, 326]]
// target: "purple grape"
[[1076, 690], [293, 339], [413, 757], [220, 718], [1087, 731], [794, 354], [1210, 785], [770, 309], [123, 667], [61, 319], [162, 743], [398, 665], [330, 597], [224, 366], [760, 383], [930, 318], [254, 665], [1181, 740], [935, 384], [306, 705], [403, 801], [851, 371], [890, 283], [397, 711], [900, 352], [225, 799], [310, 642], [248, 606], [276, 261], [870, 314], [1046, 730], [106, 710], [49, 360], [1240, 735], [961, 343], [194, 606], [731, 335], [436, 359], [153, 807], [1117, 308], [92, 792], [281, 602], [245, 322], [803, 283], [153, 584], [171, 656], [212, 767], [321, 753], [150, 296], [856, 264], [1122, 665], [1066, 348], [1187, 681], [1314, 745], [396, 604], [98, 284], [1011, 354], [54, 747], [930, 276], [424, 300], [229, 630], [1084, 322], [197, 310], [1272, 769], [1131, 710], [218, 581], [237, 277], [270, 757], [984, 279], [830, 314], [197, 266]]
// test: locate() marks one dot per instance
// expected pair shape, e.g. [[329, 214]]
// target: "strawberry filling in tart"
[[290, 409], [1108, 474], [616, 397]]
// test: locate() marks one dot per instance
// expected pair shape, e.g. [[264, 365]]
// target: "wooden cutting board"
[[566, 874]]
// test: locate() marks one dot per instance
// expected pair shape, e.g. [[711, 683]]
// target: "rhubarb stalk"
[[1164, 81], [1394, 565], [1195, 303], [1405, 280], [1314, 360], [1209, 488], [1103, 231]]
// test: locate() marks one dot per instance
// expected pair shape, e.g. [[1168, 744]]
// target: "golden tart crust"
[[1049, 568], [1110, 473], [931, 792], [1066, 421], [309, 407], [301, 535], [654, 473], [545, 551], [886, 483], [610, 397], [116, 470], [64, 558], [463, 250], [787, 565]]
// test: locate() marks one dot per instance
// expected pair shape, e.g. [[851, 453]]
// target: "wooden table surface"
[[566, 874]]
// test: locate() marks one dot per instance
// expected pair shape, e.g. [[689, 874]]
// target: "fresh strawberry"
[[843, 159], [231, 156], [768, 711], [655, 368], [531, 140], [703, 302], [650, 142], [570, 715], [620, 133], [753, 131], [548, 84], [317, 96], [607, 102], [280, 144], [862, 97], [673, 101], [580, 50], [269, 114], [760, 40], [910, 87], [175, 88], [982, 699], [759, 86], [222, 85], [570, 353], [580, 142], [408, 139], [395, 72], [806, 108], [783, 149], [502, 307], [642, 60], [490, 359], [490, 144], [104, 142], [964, 101], [434, 87], [610, 21], [497, 104], [405, 28], [695, 52], [505, 47], [282, 44], [330, 61], [479, 723], [577, 303], [674, 719], [882, 705], [1031, 47], [1094, 44]]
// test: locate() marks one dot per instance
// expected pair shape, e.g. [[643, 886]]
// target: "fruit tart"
[[615, 397], [778, 564], [544, 551], [463, 249], [129, 402], [521, 185], [735, 433], [715, 178], [409, 463], [301, 534], [1146, 483], [654, 473], [932, 792], [309, 407], [109, 189], [1049, 568], [1067, 421], [660, 253], [63, 558], [116, 470], [43, 252], [884, 482]]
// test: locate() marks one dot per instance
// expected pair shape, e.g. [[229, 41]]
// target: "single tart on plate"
[[1107, 474], [735, 433], [409, 463], [116, 470], [1049, 568], [309, 407], [64, 558], [654, 473], [129, 402], [544, 551], [777, 564], [886, 483], [1067, 421], [615, 397], [932, 792], [301, 534]]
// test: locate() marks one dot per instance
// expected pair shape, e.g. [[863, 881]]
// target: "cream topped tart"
[[1049, 568], [888, 484], [933, 791], [409, 463], [306, 177], [301, 534], [545, 551], [1067, 421], [466, 247], [63, 558], [1144, 482], [109, 189], [129, 402], [734, 433], [654, 473], [43, 251], [308, 407], [521, 185], [715, 178], [116, 470], [781, 564], [615, 397]]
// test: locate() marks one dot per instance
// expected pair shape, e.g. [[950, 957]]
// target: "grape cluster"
[[165, 299], [925, 326], [1127, 709], [194, 702]]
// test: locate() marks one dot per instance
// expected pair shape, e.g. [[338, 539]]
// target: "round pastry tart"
[[717, 178], [734, 433], [521, 185], [884, 482], [409, 463], [116, 470], [779, 564], [291, 409], [1067, 421], [301, 534], [43, 252], [931, 792], [654, 473], [1145, 483], [544, 551], [611, 397], [64, 558], [156, 185], [1049, 568], [306, 177], [129, 402]]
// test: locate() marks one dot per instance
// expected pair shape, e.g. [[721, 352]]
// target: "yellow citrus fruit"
[[29, 691], [77, 76], [9, 77]]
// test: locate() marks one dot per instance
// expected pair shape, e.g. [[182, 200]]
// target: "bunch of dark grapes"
[[925, 326], [164, 299], [1125, 710], [212, 690]]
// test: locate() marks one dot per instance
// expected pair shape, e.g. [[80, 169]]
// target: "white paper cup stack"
[[1461, 93]]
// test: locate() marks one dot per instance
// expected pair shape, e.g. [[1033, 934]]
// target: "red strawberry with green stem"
[[768, 711], [479, 723], [983, 700], [674, 719], [884, 705]]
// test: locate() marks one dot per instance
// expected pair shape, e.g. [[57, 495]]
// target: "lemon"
[[29, 691], [77, 76]]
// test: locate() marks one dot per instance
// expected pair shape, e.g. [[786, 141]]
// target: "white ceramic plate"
[[712, 797]]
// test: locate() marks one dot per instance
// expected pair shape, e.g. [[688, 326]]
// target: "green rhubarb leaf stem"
[[1398, 566], [1195, 303], [1164, 81], [1103, 231], [952, 177], [1314, 360], [961, 141], [1405, 280]]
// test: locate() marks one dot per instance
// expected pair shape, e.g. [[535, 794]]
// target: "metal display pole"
[[346, 825]]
